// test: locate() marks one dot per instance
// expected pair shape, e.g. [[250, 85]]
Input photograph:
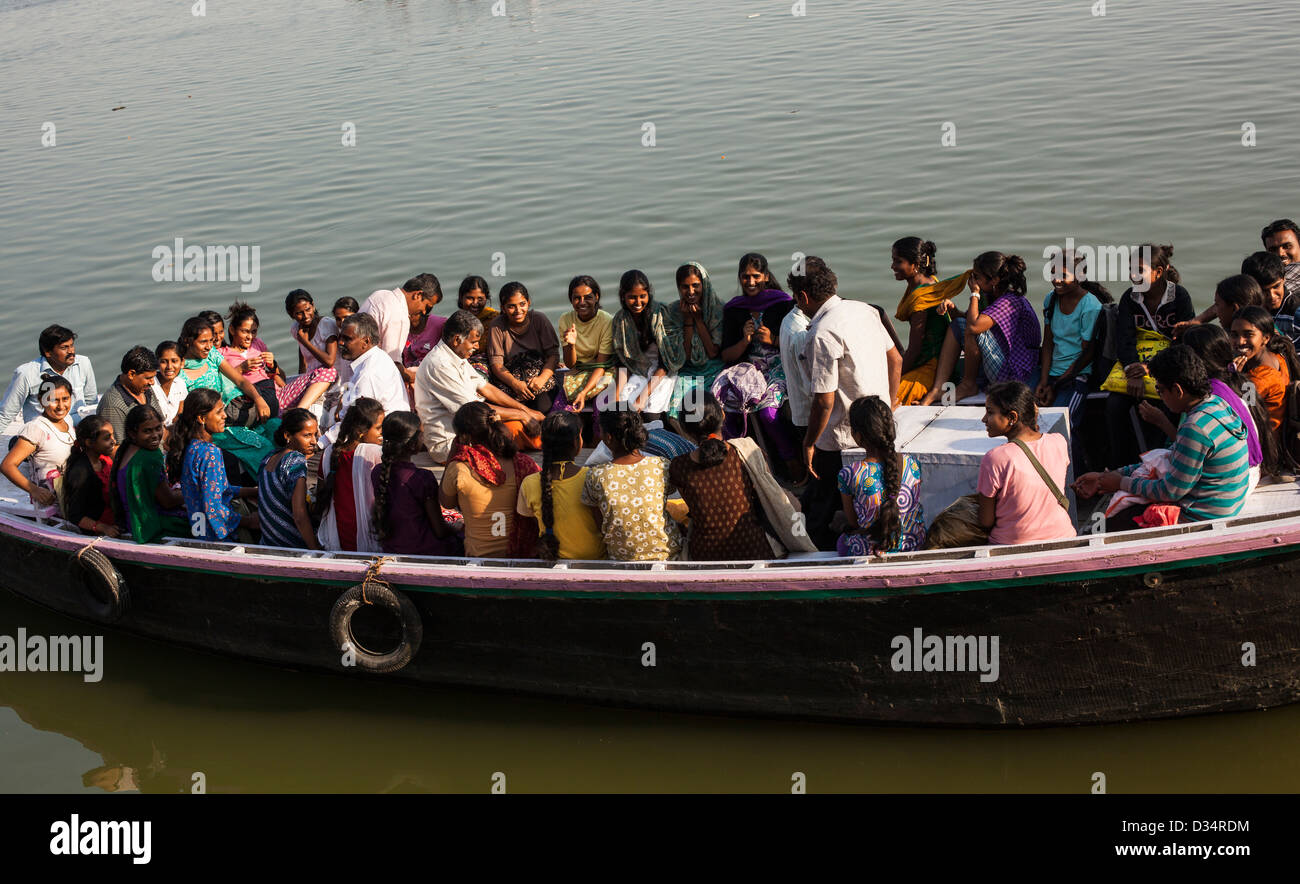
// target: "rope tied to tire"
[[103, 589], [372, 576], [88, 547]]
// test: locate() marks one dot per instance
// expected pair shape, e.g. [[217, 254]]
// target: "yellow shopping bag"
[[1149, 343]]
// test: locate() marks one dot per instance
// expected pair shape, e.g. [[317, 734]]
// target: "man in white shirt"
[[373, 374], [850, 355], [58, 349], [392, 312], [445, 381], [794, 358]]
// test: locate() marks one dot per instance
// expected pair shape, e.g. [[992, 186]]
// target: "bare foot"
[[964, 390]]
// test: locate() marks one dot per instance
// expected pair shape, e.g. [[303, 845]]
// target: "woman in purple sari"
[[751, 328], [999, 332]]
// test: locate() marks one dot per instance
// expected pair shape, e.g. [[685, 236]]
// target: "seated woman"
[[1209, 464], [406, 518], [881, 493], [751, 329], [195, 462], [523, 350], [205, 369], [482, 482], [248, 354], [1212, 344], [344, 495], [144, 503], [86, 476], [647, 357], [999, 332], [1020, 483], [319, 366], [630, 493], [569, 529], [1267, 360], [726, 517], [695, 321], [1148, 315], [913, 261], [1230, 295], [47, 441], [168, 389], [282, 483], [476, 297], [344, 307], [587, 337]]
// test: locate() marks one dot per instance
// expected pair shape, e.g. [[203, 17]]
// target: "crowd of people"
[[706, 416]]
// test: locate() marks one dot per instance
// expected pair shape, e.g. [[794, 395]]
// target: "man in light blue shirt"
[[58, 356]]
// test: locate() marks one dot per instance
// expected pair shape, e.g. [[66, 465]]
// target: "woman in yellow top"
[[569, 528], [587, 345], [922, 308]]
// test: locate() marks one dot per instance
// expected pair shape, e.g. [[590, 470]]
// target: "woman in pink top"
[[1014, 501]]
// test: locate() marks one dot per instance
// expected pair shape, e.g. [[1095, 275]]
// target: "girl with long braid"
[[882, 492], [406, 517], [194, 461], [345, 496], [569, 528]]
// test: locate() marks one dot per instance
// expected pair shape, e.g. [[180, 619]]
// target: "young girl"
[[482, 482], [47, 439], [751, 327], [726, 516], [406, 516], [206, 368], [523, 350], [587, 344], [1148, 311], [630, 493], [282, 483], [167, 389], [569, 529], [913, 261], [86, 477], [999, 332], [1267, 359], [319, 367], [344, 307], [647, 357], [196, 463], [881, 494], [476, 297], [217, 324], [345, 496], [1016, 502], [144, 502], [696, 321]]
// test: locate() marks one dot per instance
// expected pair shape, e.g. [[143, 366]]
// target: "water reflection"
[[163, 715]]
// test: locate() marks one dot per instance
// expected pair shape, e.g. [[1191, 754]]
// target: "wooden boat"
[[1146, 624]]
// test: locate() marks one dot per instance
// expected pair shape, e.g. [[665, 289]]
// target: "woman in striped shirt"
[[1209, 464]]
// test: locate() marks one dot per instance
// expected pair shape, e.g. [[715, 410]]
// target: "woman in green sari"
[[144, 503], [695, 327]]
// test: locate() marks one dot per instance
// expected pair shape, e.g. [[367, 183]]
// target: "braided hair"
[[363, 414], [872, 423], [478, 422], [186, 428], [135, 419], [401, 440], [711, 451], [561, 440]]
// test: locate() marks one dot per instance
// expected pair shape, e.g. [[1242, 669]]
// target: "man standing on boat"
[[849, 355], [445, 381], [392, 313], [373, 373], [58, 349]]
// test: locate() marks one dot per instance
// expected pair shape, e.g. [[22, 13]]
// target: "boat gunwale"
[[965, 568]]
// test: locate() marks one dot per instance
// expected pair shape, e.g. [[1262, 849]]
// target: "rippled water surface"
[[523, 135]]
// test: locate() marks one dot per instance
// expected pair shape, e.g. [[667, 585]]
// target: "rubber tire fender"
[[399, 605], [103, 588]]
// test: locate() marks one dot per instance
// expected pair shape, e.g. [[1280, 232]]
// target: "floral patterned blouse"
[[630, 498], [865, 483]]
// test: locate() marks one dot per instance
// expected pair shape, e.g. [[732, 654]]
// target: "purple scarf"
[[760, 302]]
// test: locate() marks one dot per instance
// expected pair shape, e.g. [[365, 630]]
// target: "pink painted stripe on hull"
[[1152, 552]]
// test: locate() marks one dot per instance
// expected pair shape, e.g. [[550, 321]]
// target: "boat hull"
[[1073, 649]]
